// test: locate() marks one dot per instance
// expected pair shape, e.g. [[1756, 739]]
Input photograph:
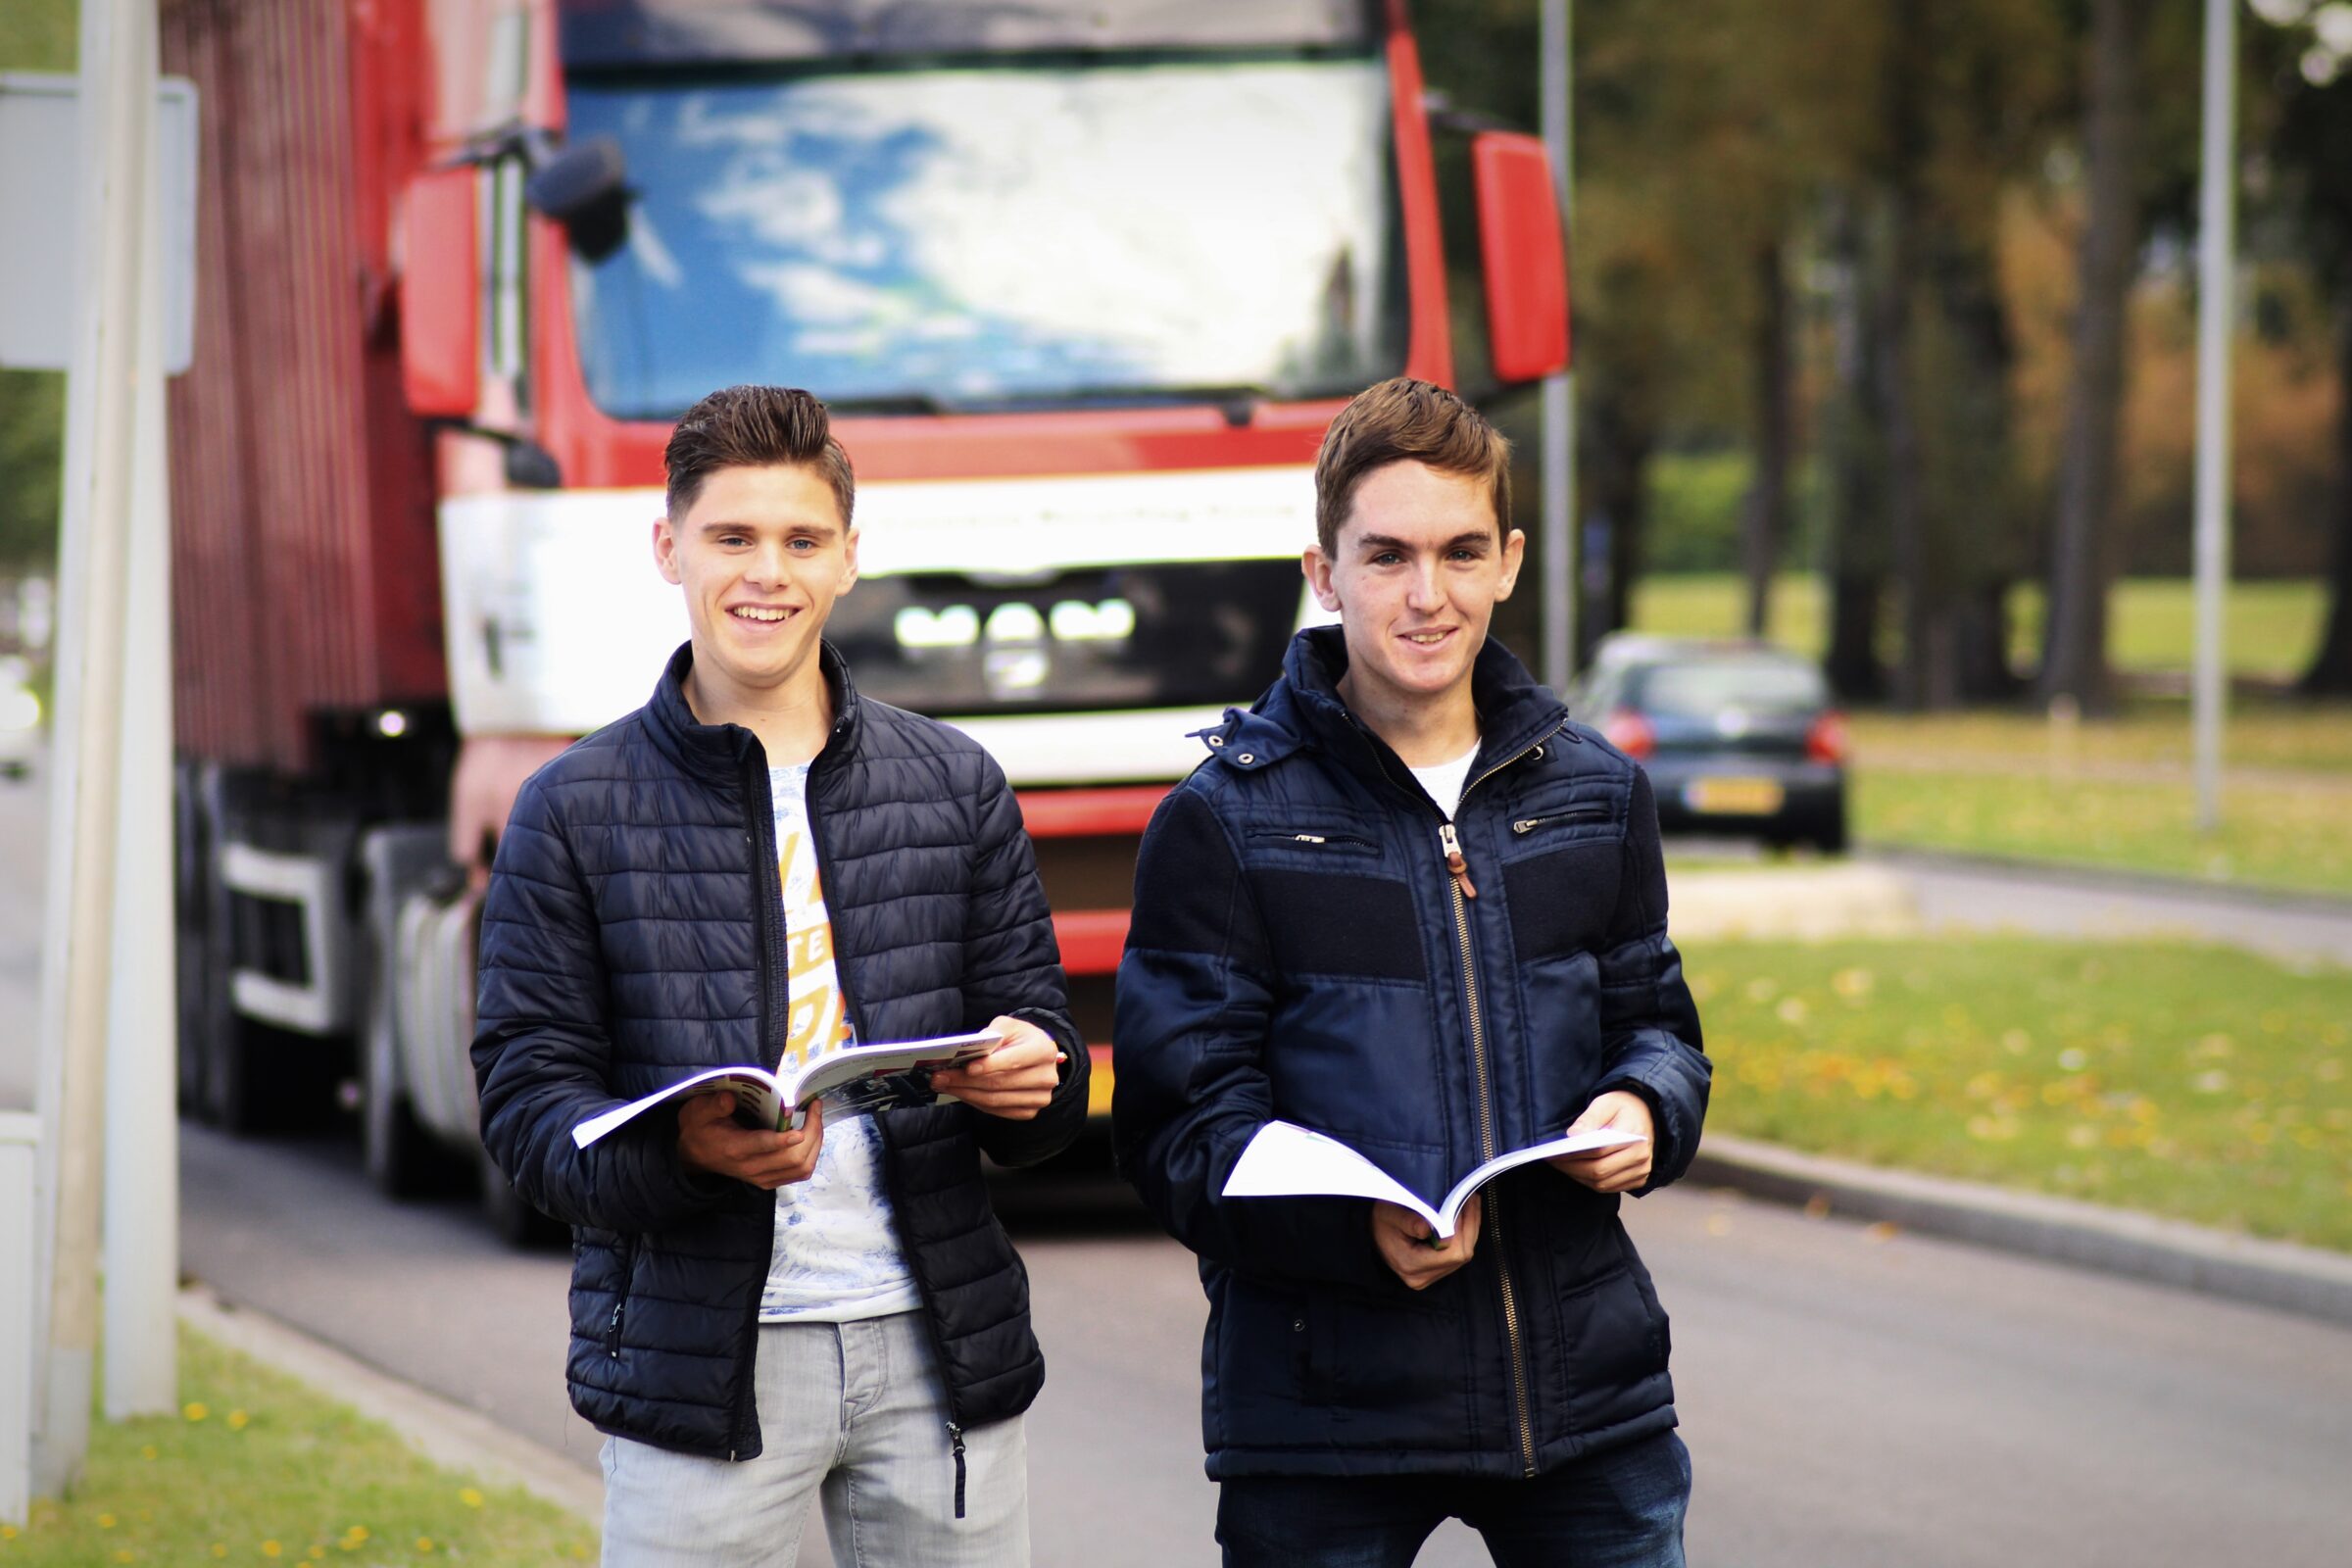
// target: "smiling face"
[[1415, 573], [762, 553]]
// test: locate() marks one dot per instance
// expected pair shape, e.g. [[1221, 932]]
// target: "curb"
[[449, 1435], [2281, 1274]]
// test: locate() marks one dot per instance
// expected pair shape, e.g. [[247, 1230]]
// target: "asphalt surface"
[[1855, 1395]]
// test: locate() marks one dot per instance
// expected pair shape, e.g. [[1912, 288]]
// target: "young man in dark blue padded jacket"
[[1407, 903], [756, 866]]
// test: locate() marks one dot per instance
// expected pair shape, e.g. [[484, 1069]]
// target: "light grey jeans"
[[853, 1413]]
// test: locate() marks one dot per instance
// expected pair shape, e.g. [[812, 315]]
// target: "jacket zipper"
[[922, 1288], [888, 1161], [1458, 867], [1336, 841], [620, 1301], [1581, 813]]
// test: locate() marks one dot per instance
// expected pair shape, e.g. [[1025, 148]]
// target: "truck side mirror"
[[1524, 253], [440, 305], [585, 188]]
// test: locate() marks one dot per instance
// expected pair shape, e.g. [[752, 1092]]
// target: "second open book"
[[861, 1077], [1287, 1160]]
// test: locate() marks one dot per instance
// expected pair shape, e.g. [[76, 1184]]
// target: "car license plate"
[[1734, 797]]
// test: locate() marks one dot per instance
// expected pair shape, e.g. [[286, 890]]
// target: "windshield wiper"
[[889, 403], [1237, 401]]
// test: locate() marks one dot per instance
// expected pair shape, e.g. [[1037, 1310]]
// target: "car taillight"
[[1630, 733], [1826, 741]]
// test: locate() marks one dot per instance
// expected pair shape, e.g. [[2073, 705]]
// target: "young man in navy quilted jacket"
[[1407, 903], [756, 866]]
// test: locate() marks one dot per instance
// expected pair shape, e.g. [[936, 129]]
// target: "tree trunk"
[[2081, 563], [1764, 518], [1618, 463], [2330, 671], [1924, 678], [1916, 679], [1853, 561]]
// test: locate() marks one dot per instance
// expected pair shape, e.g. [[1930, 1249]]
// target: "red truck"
[[1082, 282]]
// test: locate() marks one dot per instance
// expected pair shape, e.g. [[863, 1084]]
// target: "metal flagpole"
[[1558, 530], [2216, 247]]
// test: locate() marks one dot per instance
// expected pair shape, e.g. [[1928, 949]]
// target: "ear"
[[1315, 566], [666, 551], [1514, 551], [848, 574]]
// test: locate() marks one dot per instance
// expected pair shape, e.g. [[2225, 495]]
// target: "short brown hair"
[[754, 427], [1405, 421]]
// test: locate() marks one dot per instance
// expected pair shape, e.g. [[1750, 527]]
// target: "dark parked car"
[[1738, 737]]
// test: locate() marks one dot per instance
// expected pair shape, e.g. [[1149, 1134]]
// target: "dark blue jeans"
[[1620, 1508]]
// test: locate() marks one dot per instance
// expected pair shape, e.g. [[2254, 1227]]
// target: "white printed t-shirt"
[[1446, 781], [836, 1258]]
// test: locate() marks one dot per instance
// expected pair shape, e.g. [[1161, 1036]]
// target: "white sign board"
[[40, 158]]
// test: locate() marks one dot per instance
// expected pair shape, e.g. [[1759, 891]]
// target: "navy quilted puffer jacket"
[[632, 935], [1299, 951]]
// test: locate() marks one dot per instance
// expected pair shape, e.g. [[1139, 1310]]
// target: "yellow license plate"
[[1734, 797]]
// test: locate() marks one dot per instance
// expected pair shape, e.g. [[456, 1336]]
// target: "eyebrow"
[[729, 525], [1382, 541]]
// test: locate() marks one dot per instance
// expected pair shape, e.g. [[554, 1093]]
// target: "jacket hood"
[[714, 754], [1303, 707]]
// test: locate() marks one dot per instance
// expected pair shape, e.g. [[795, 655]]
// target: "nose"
[[1424, 593], [770, 564]]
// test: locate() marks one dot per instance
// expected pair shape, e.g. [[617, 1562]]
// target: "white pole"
[[2216, 247], [20, 1140], [117, 91], [1558, 529], [142, 1126]]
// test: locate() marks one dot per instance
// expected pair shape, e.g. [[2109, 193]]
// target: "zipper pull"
[[612, 1330], [1453, 860], [955, 1438]]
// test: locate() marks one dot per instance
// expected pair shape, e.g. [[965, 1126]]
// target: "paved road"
[[1951, 892], [1853, 1398]]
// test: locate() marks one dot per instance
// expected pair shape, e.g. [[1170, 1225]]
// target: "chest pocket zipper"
[[1579, 813], [1316, 841]]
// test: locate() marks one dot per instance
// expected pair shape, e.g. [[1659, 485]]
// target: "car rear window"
[[1703, 688]]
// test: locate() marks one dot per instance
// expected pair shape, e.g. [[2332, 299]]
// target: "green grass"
[[2116, 792], [2289, 837], [2194, 1082], [258, 1469], [2271, 628]]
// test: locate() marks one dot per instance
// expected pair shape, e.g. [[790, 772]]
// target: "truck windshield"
[[1015, 234]]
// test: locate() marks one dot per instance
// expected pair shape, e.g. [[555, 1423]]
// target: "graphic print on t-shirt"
[[816, 1020], [836, 1258]]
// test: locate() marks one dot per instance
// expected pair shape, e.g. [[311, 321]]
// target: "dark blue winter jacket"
[[1299, 951], [633, 935]]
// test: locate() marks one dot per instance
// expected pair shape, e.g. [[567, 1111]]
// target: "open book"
[[763, 1099], [1287, 1160]]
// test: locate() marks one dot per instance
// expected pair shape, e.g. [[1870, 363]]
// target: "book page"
[[846, 1064], [754, 1089], [1566, 1144], [1287, 1160]]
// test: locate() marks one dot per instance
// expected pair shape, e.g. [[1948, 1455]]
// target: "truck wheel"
[[512, 1217], [402, 1161]]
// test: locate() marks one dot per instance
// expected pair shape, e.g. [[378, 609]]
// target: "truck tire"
[[403, 1161]]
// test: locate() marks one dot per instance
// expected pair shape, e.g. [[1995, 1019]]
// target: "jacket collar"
[[1305, 708], [716, 754]]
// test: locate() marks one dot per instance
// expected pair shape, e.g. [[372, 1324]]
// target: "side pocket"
[[617, 1320]]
